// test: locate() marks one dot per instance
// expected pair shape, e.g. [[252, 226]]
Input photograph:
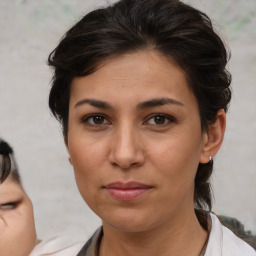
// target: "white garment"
[[59, 246], [223, 242]]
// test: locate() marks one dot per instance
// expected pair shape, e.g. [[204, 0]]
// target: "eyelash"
[[168, 118], [87, 118], [9, 206]]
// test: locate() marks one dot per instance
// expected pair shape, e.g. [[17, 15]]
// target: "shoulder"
[[223, 241], [58, 246], [238, 229], [232, 245]]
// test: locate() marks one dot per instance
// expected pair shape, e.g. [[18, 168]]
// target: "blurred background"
[[30, 29]]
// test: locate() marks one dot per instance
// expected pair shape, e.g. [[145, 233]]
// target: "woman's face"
[[135, 141], [17, 228]]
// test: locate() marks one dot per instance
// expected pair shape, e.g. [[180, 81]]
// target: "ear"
[[213, 137], [66, 144]]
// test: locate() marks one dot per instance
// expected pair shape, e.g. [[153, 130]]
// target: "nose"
[[127, 148]]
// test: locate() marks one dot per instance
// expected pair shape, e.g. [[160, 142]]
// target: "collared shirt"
[[221, 242]]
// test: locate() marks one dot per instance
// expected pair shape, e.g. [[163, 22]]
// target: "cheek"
[[88, 159], [176, 158], [88, 152], [19, 236], [2, 226], [176, 152], [29, 221]]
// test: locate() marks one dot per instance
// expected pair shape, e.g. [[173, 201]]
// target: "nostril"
[[127, 166], [123, 164], [128, 161]]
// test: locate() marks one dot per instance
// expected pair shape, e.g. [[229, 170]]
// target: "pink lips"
[[127, 191]]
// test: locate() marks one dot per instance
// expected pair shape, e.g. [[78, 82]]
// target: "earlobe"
[[70, 160], [66, 144], [213, 138]]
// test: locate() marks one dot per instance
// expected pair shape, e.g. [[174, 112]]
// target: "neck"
[[183, 236]]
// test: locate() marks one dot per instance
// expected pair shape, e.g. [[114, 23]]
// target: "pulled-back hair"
[[8, 165], [176, 30]]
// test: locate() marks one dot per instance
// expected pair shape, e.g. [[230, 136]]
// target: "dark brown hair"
[[8, 165], [175, 29]]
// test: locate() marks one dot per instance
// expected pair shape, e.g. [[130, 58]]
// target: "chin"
[[127, 221]]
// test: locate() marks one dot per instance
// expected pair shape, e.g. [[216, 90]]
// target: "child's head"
[[17, 228], [8, 166]]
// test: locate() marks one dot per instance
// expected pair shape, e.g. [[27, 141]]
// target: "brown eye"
[[95, 120], [98, 119], [159, 119]]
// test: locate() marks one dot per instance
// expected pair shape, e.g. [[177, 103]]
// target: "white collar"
[[223, 242]]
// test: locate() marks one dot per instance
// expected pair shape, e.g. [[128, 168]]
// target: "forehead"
[[143, 73], [10, 186]]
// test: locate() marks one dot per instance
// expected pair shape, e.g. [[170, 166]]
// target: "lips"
[[127, 191]]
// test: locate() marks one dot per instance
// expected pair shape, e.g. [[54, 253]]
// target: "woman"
[[141, 90]]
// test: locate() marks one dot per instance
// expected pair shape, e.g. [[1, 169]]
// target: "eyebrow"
[[142, 105], [159, 102], [94, 103]]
